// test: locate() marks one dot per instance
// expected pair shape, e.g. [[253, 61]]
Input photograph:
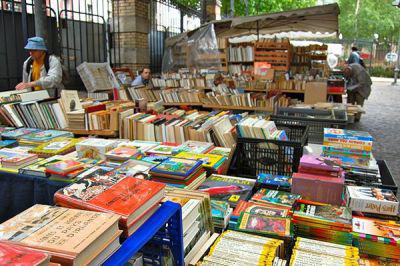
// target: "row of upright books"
[[241, 54], [212, 127], [241, 99], [142, 92], [181, 95]]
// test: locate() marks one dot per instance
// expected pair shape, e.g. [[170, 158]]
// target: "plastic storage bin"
[[317, 120], [254, 156]]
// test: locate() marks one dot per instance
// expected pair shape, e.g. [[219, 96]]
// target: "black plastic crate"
[[254, 156], [387, 179], [316, 119]]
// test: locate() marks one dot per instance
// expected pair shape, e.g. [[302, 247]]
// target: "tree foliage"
[[373, 17], [256, 7]]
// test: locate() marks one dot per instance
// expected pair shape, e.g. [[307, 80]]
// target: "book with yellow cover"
[[70, 236], [58, 146], [209, 160]]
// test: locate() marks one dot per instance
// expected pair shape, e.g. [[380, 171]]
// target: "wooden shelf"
[[244, 108], [104, 133], [240, 62], [293, 91], [183, 103]]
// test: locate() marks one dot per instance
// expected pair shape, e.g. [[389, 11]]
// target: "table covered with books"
[[323, 200]]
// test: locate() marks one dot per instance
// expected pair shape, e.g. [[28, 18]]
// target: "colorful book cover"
[[21, 256], [319, 163], [111, 192], [222, 151], [372, 200], [136, 168], [274, 180], [347, 134], [195, 146], [209, 160], [162, 149], [39, 168], [94, 171], [376, 227], [153, 158], [260, 209], [345, 151], [5, 129], [219, 209], [95, 148], [64, 166], [16, 133], [8, 143], [177, 167], [122, 153], [336, 215], [275, 197], [228, 188], [56, 146], [141, 145], [262, 224], [44, 136]]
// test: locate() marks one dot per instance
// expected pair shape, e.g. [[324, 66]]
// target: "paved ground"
[[382, 121]]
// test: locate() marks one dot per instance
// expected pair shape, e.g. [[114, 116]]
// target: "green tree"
[[256, 7], [373, 16]]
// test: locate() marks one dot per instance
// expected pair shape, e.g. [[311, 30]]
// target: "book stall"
[[236, 155]]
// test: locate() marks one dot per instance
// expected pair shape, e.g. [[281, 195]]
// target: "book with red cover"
[[112, 192], [17, 255], [95, 108], [318, 188]]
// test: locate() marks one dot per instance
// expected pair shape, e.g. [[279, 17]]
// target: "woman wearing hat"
[[41, 70]]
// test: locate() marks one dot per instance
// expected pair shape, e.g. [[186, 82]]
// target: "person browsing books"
[[143, 79], [358, 83], [41, 70]]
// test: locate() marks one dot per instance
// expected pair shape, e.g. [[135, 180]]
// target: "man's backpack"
[[362, 62]]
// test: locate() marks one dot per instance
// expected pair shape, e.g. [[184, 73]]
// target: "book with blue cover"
[[44, 136], [8, 143], [177, 167], [17, 133], [274, 180], [347, 134]]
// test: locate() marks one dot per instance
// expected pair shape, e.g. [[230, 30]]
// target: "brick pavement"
[[382, 121]]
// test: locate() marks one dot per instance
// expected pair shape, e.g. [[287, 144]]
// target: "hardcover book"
[[8, 143], [222, 151], [16, 255], [121, 153], [372, 200], [275, 197], [262, 224], [95, 148], [136, 168], [162, 149], [127, 196], [228, 188], [70, 236], [44, 136], [57, 146], [195, 146], [39, 168], [63, 167]]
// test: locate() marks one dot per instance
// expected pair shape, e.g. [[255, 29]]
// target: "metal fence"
[[77, 32], [168, 19]]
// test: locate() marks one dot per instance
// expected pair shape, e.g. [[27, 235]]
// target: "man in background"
[[143, 79], [358, 83]]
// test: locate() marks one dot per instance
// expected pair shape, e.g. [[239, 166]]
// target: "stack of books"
[[132, 198], [236, 248], [253, 127], [181, 173], [121, 154], [17, 133], [230, 189], [310, 252], [316, 174], [57, 146], [64, 170], [377, 237], [372, 200], [15, 159], [11, 254], [37, 138], [95, 148], [213, 163], [323, 222], [275, 198], [70, 237], [352, 148], [8, 143], [6, 129], [221, 213], [192, 214]]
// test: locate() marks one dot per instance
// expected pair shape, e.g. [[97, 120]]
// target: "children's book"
[[275, 197], [44, 136], [274, 180], [262, 224], [195, 146], [17, 133], [228, 188], [347, 134], [39, 168], [63, 167], [222, 151], [121, 153], [57, 146], [209, 160], [176, 167], [162, 149]]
